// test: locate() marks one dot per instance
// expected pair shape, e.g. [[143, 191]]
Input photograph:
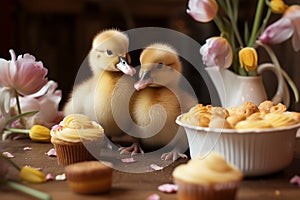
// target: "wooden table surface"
[[129, 185]]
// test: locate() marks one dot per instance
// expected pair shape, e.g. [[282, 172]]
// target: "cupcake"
[[89, 177], [75, 137], [206, 178]]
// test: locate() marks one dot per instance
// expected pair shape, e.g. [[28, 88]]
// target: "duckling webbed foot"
[[174, 154], [134, 149]]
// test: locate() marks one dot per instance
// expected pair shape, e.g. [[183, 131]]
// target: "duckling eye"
[[109, 52], [160, 66]]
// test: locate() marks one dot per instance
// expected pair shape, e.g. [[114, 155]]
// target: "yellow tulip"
[[278, 6], [248, 58], [32, 175], [40, 133]]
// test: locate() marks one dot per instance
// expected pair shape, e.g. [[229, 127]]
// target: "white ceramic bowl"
[[254, 152]]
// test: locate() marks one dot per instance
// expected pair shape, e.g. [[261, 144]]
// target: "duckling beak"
[[144, 81], [123, 66]]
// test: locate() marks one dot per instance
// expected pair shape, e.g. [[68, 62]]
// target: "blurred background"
[[59, 33]]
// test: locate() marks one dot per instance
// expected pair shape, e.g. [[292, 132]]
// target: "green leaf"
[[26, 114]]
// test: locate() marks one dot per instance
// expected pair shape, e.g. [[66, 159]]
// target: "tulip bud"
[[216, 52], [248, 58], [203, 10], [32, 175], [40, 133], [278, 6]]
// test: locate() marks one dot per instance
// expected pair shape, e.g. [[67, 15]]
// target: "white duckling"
[[159, 101], [108, 61]]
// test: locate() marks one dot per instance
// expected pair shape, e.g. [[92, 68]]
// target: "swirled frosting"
[[210, 170], [75, 128]]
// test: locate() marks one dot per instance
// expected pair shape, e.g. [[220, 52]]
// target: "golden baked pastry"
[[253, 124], [73, 135], [246, 116], [280, 119], [218, 118], [265, 106], [211, 177], [198, 115], [89, 177]]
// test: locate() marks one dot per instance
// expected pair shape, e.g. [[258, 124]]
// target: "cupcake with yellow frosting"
[[211, 177], [74, 136]]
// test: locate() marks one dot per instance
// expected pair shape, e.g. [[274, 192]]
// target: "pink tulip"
[[293, 13], [202, 10], [277, 32], [216, 52], [286, 27], [23, 74], [46, 101]]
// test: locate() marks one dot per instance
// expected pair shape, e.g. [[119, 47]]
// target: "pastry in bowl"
[[259, 140]]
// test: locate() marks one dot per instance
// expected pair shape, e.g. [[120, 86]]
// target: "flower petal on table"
[[156, 167], [8, 155], [168, 188], [51, 153], [153, 197], [295, 180], [128, 160]]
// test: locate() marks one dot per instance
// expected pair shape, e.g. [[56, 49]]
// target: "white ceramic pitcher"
[[234, 90]]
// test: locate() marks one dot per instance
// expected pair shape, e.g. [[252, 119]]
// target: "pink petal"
[[168, 188], [156, 167], [202, 10], [295, 180], [27, 148], [128, 160], [57, 127], [278, 32], [153, 197], [51, 153], [216, 52], [8, 155], [49, 177]]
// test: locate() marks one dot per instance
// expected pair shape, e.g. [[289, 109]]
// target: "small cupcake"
[[89, 177], [75, 137], [209, 178]]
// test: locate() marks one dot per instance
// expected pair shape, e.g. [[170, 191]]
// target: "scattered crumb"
[[277, 192], [128, 160], [8, 155], [153, 197], [156, 167], [168, 188], [60, 177]]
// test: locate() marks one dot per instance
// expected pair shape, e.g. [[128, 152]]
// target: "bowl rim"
[[224, 130]]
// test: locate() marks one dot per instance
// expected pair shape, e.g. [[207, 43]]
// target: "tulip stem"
[[27, 190], [257, 20], [18, 130], [282, 72], [19, 108], [11, 162]]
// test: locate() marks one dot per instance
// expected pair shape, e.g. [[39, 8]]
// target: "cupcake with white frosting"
[[211, 177], [75, 137]]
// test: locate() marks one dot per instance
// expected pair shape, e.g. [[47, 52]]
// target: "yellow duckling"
[[158, 101], [108, 61]]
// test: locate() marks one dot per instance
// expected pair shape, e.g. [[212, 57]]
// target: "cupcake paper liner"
[[221, 191]]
